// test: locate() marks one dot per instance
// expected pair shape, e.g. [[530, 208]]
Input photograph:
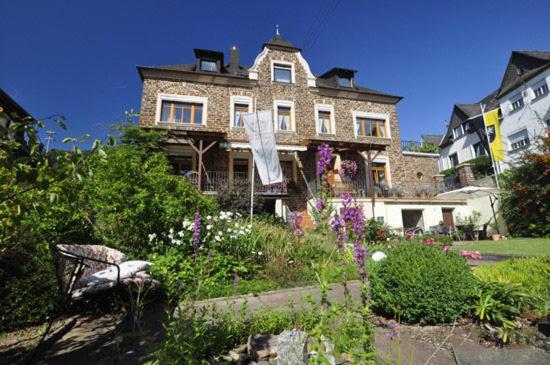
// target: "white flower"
[[229, 230], [209, 227], [180, 233], [260, 253], [171, 231], [253, 252], [249, 226], [220, 233], [241, 232], [290, 261], [152, 236], [208, 217], [218, 238]]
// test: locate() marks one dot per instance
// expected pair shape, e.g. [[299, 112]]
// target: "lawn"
[[514, 246]]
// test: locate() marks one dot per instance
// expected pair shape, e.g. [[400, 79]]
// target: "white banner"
[[259, 127]]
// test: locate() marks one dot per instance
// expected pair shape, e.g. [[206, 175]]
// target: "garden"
[[121, 194]]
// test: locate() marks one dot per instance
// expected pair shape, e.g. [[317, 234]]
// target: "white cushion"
[[127, 270]]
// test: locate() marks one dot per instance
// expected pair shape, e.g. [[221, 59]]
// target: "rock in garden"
[[292, 349], [262, 347]]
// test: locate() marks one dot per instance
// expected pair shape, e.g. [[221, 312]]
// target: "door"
[[448, 219], [412, 218]]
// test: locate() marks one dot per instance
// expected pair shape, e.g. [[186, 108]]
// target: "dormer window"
[[209, 65], [344, 81], [282, 73]]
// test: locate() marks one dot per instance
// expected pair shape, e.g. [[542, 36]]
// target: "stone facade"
[[407, 172]]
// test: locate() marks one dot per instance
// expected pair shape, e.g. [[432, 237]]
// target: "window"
[[479, 150], [517, 103], [547, 122], [238, 110], [344, 81], [208, 65], [282, 73], [519, 140], [453, 160], [368, 127], [284, 118], [379, 173], [540, 90], [182, 165], [466, 126], [240, 169], [457, 131], [181, 112]]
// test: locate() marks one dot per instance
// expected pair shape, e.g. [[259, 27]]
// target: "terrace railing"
[[214, 181]]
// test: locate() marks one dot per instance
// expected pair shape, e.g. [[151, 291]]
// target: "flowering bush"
[[422, 284], [324, 159], [348, 168]]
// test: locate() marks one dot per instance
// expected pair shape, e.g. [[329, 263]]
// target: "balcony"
[[213, 181]]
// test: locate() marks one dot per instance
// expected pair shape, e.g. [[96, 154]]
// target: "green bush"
[[417, 283], [532, 275], [481, 166], [525, 194], [133, 194]]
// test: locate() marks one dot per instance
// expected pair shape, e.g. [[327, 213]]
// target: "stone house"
[[201, 103]]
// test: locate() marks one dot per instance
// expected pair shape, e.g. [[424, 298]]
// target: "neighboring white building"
[[524, 101]]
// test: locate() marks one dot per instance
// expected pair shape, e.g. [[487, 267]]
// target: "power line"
[[323, 22]]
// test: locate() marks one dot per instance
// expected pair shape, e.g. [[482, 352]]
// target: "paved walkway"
[[97, 340]]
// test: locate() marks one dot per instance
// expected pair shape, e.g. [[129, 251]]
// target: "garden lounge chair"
[[85, 270]]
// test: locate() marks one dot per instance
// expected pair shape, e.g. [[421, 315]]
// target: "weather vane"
[[277, 29]]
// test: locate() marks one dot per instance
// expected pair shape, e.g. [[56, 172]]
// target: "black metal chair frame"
[[65, 294]]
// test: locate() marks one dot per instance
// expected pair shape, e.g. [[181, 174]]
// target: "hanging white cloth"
[[259, 127]]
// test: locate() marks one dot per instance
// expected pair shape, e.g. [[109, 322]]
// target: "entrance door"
[[448, 219], [412, 218]]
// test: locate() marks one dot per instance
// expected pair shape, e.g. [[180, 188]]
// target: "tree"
[[526, 192]]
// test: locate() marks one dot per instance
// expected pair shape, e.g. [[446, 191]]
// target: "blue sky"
[[78, 58]]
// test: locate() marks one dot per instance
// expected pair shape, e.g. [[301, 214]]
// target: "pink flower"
[[429, 242], [471, 254], [445, 248]]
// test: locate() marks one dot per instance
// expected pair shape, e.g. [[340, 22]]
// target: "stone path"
[[98, 340]]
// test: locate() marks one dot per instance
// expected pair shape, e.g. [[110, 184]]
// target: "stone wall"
[[403, 170]]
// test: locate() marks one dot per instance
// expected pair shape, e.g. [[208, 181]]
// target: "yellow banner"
[[493, 134]]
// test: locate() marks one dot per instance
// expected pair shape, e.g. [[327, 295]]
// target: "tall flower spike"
[[197, 230]]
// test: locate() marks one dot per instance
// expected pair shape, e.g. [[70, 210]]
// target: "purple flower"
[[359, 255], [235, 280], [393, 330], [320, 203], [297, 219], [324, 158], [197, 230], [348, 168]]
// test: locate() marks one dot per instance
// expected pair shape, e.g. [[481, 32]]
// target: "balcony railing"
[[213, 181]]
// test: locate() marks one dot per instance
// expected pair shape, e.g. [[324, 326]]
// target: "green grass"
[[514, 246]]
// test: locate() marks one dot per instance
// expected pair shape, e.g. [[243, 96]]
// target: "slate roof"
[[432, 138], [522, 66], [279, 42], [276, 42]]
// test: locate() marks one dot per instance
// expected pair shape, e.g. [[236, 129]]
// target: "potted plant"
[[495, 236]]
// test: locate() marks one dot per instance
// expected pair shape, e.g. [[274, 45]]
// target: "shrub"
[[499, 304], [526, 193], [481, 166], [236, 198], [422, 284], [532, 275]]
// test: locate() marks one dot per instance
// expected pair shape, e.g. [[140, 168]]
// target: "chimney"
[[234, 59]]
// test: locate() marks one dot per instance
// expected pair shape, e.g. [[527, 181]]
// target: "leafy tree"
[[526, 192]]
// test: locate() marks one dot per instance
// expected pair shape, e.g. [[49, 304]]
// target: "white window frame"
[[508, 137], [182, 99], [288, 104], [457, 159], [325, 108], [237, 99], [473, 149], [516, 97], [284, 63], [359, 114], [461, 130], [540, 85]]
